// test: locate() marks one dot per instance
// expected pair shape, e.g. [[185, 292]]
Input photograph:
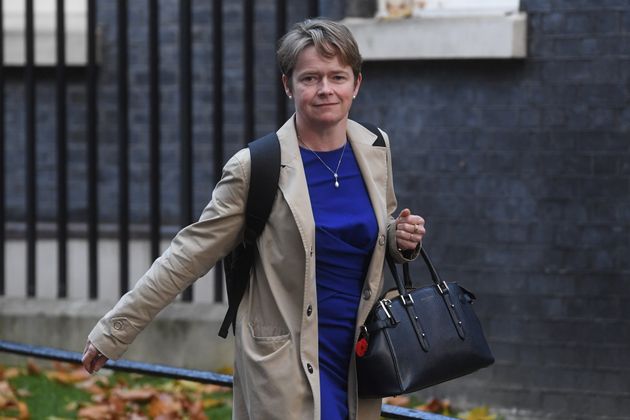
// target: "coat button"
[[309, 367], [118, 325], [381, 240], [309, 310], [367, 294]]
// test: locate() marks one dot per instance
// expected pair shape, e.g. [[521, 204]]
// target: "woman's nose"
[[324, 87]]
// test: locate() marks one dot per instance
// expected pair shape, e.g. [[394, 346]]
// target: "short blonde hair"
[[330, 38]]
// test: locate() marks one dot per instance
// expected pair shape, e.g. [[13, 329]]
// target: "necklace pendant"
[[336, 181]]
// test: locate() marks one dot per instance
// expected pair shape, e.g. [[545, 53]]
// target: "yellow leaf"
[[212, 403], [190, 385], [479, 413], [400, 400], [226, 370], [71, 406], [11, 373]]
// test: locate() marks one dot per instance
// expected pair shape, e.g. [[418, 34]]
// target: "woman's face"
[[322, 88]]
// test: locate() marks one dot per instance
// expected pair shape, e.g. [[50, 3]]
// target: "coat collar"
[[372, 161]]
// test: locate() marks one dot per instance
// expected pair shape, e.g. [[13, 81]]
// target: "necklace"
[[336, 171]]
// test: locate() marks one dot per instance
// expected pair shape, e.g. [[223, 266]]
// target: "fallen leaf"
[[163, 404], [195, 411], [478, 413], [32, 368], [95, 412], [6, 391], [23, 393], [71, 406], [11, 373], [98, 398], [226, 370], [435, 405], [137, 394], [212, 402], [68, 377], [23, 410], [400, 400], [117, 404], [62, 367], [189, 385], [94, 385], [215, 389]]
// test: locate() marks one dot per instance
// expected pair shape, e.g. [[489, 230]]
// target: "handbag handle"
[[441, 286], [407, 284]]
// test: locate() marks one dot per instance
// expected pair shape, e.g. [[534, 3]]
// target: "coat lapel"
[[292, 183], [372, 161]]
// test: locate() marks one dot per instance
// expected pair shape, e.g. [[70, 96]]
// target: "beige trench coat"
[[276, 361]]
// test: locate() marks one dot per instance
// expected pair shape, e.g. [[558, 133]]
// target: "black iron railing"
[[387, 411], [90, 72]]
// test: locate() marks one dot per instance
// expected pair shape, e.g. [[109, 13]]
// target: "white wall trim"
[[448, 36]]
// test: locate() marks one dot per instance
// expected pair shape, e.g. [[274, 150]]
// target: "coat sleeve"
[[392, 247], [191, 254]]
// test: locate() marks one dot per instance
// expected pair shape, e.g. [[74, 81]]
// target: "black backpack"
[[263, 186]]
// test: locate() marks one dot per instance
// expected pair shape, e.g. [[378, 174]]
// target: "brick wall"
[[522, 169]]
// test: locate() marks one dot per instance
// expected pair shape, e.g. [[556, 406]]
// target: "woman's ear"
[[287, 86], [357, 84]]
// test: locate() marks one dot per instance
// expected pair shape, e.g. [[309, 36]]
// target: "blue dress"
[[345, 235]]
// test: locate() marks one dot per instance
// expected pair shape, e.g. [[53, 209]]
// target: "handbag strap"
[[435, 277], [441, 286]]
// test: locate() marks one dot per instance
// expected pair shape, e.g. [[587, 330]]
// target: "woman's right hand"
[[93, 359]]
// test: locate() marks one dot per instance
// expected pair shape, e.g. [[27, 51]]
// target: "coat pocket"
[[267, 340], [270, 376]]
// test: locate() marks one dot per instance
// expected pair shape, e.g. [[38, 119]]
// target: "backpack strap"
[[263, 186]]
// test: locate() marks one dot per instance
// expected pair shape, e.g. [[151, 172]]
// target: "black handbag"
[[418, 337]]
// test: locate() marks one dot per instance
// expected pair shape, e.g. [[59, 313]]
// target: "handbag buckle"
[[405, 302], [364, 332], [384, 306], [442, 287]]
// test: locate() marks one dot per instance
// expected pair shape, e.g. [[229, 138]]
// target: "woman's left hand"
[[409, 230]]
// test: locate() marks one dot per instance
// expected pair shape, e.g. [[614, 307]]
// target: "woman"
[[321, 254]]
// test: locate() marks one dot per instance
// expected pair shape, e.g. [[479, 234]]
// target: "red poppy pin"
[[361, 347]]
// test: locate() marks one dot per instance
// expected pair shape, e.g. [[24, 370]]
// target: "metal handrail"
[[202, 376]]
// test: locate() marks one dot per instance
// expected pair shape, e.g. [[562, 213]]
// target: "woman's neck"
[[321, 139]]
